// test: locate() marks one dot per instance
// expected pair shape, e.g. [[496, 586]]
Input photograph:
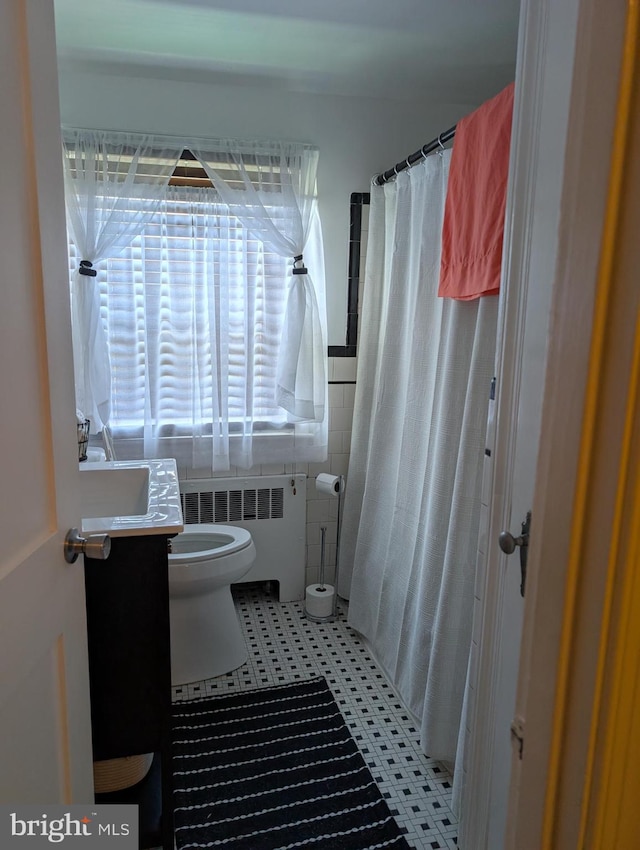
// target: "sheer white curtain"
[[194, 310], [273, 193], [114, 183], [411, 517], [110, 183]]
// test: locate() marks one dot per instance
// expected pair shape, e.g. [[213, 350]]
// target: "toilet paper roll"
[[319, 600], [329, 484]]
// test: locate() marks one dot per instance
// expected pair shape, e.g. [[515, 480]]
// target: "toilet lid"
[[206, 541]]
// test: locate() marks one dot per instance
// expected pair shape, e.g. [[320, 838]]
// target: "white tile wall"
[[344, 368]]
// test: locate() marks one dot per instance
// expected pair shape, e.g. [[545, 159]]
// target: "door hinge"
[[517, 734]]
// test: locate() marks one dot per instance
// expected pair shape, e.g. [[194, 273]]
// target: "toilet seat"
[[194, 550]]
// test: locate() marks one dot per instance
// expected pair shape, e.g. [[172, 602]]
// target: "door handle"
[[508, 544], [97, 546]]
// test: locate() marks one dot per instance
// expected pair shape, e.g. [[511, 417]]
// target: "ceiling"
[[453, 50]]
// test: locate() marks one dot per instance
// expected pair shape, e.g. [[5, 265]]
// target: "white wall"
[[357, 137]]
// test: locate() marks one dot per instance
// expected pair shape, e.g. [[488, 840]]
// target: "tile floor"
[[284, 646]]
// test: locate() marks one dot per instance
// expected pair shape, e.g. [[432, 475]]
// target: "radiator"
[[273, 508]]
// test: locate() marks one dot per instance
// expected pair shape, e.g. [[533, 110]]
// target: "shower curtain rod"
[[418, 156]]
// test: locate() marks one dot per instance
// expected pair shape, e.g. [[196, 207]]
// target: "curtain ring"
[[442, 147]]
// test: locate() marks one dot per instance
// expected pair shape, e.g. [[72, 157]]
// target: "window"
[[194, 340], [193, 309]]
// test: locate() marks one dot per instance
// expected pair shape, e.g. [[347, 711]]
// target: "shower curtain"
[[412, 506]]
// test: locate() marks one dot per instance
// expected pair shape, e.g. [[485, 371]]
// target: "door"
[[45, 740], [531, 237], [544, 226], [532, 245], [579, 538]]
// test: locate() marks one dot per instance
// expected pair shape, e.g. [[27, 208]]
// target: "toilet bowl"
[[206, 638]]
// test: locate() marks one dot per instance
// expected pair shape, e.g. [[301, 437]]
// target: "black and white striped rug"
[[274, 768]]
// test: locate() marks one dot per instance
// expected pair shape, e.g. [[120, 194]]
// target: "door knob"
[[97, 546], [508, 544]]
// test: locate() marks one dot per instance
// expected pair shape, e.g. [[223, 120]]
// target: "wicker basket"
[[116, 774]]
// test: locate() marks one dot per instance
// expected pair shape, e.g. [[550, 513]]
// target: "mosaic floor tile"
[[283, 646]]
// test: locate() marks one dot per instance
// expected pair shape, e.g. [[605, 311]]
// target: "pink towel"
[[473, 224]]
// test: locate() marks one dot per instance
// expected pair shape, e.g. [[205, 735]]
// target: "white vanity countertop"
[[152, 508]]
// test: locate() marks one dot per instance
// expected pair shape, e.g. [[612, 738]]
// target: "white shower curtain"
[[410, 527]]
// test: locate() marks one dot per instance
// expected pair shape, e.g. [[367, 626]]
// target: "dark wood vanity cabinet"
[[130, 673]]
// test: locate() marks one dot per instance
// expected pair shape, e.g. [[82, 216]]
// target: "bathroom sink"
[[127, 498], [114, 492]]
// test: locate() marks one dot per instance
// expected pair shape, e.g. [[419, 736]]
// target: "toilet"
[[206, 638]]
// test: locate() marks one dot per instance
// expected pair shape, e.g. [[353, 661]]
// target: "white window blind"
[[193, 309]]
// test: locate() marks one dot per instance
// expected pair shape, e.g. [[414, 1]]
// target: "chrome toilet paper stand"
[[323, 532]]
